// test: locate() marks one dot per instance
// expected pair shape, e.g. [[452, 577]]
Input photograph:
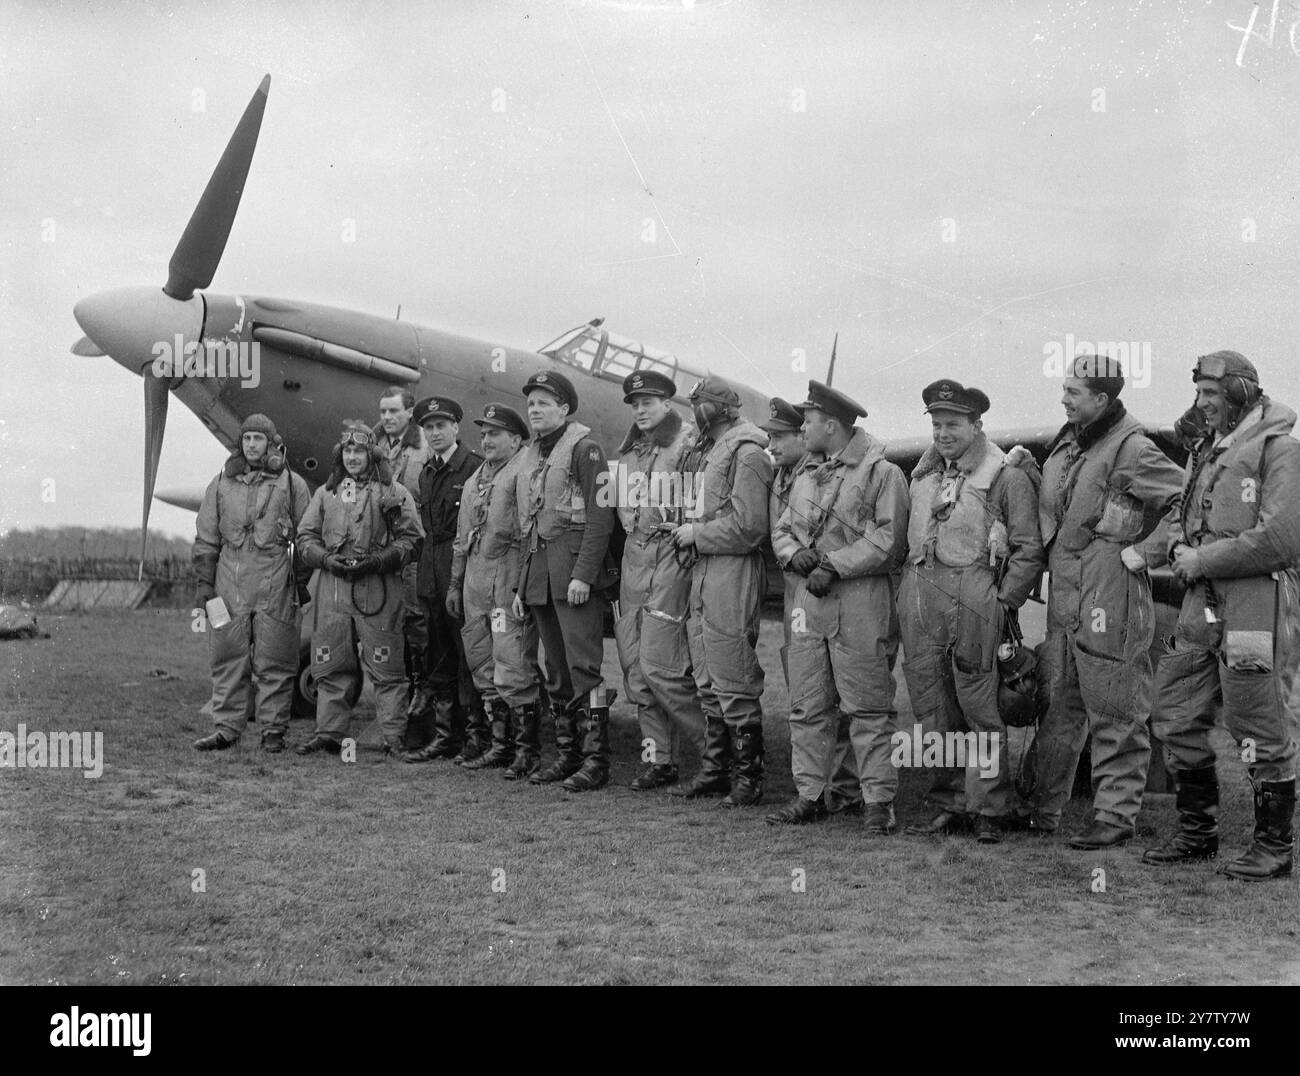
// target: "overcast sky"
[[953, 187]]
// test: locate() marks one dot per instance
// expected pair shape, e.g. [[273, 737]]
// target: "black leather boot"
[[419, 717], [656, 775], [528, 742], [502, 750], [443, 744], [714, 777], [1270, 854], [569, 755], [419, 704], [594, 772], [747, 788], [1197, 799], [478, 735]]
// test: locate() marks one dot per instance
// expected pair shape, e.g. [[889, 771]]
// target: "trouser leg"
[[665, 661], [1061, 733], [844, 789], [927, 602], [932, 692], [446, 660], [1187, 697], [514, 659], [714, 776], [814, 715], [559, 684], [987, 778], [656, 729], [232, 673], [275, 663], [414, 629], [334, 669], [1254, 714], [737, 682], [1117, 694], [381, 652], [865, 684]]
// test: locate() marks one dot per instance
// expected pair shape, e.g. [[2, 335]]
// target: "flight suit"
[[406, 457], [564, 532], [654, 595], [1098, 486], [352, 519], [448, 677], [1241, 510], [973, 550], [733, 476], [500, 648], [843, 791], [851, 508], [245, 524]]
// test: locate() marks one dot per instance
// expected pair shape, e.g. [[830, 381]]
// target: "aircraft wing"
[[906, 451], [1165, 587]]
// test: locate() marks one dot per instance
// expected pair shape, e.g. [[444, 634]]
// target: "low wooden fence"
[[33, 578]]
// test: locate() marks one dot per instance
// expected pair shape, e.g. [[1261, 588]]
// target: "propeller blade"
[[87, 347], [155, 425], [194, 261], [830, 370]]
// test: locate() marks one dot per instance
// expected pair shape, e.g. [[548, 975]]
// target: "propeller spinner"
[[129, 323]]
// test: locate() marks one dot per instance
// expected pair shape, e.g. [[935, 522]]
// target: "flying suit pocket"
[[663, 641], [1249, 614], [1178, 695], [1112, 688]]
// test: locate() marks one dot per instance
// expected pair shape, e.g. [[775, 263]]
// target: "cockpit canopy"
[[603, 354]]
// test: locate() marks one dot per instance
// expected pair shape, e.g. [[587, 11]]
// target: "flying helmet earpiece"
[[1236, 376], [712, 400], [1240, 391]]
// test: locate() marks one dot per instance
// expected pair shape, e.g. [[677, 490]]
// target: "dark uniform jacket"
[[440, 493], [576, 554]]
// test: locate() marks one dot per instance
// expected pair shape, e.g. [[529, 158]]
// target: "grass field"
[[320, 872]]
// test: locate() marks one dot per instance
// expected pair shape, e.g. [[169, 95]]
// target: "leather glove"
[[820, 580], [204, 592], [304, 594], [1191, 427], [367, 565], [455, 604], [804, 561], [334, 563], [388, 559]]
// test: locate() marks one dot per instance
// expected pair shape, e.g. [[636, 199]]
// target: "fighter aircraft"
[[319, 365]]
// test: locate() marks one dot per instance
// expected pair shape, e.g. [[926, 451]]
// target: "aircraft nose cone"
[[138, 325]]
